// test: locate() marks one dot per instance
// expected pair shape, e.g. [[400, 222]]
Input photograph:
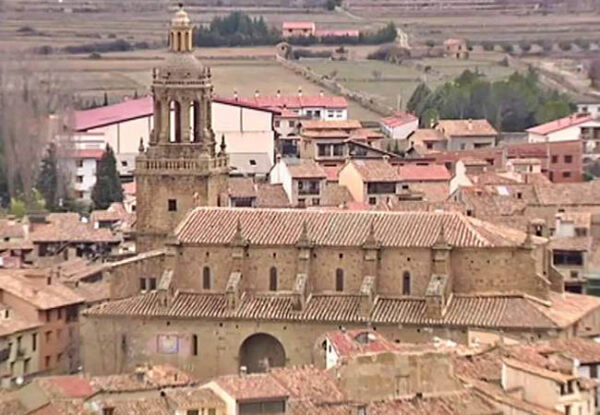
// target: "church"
[[216, 289]]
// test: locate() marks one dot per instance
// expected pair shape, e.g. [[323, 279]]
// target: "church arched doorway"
[[260, 352]]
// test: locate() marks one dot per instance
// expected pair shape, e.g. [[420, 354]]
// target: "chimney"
[[470, 124], [140, 374], [321, 93], [299, 91], [279, 93], [48, 280], [243, 371], [256, 94], [235, 94]]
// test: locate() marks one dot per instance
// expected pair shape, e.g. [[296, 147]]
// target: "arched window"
[[206, 282], [339, 279], [406, 283], [273, 279]]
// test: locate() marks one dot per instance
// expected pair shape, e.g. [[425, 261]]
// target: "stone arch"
[[261, 351], [175, 124]]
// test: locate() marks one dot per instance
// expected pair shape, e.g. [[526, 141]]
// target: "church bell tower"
[[180, 169]]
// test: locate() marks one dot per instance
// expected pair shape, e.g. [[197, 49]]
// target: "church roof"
[[205, 225], [509, 311]]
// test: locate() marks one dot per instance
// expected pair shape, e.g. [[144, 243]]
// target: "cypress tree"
[[47, 182], [108, 183]]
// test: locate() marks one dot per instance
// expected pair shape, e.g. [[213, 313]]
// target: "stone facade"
[[181, 168]]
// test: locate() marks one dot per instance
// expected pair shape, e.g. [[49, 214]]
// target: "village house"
[[589, 106], [467, 134], [399, 126], [245, 192], [456, 48], [546, 377], [303, 180], [298, 29], [427, 140], [431, 182], [83, 164], [50, 312], [371, 181]]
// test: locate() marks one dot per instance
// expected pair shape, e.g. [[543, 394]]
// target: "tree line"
[[239, 29], [514, 104]]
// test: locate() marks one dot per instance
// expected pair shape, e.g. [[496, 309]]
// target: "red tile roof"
[[252, 387], [66, 387], [432, 172], [466, 128], [509, 311], [36, 291], [206, 225], [346, 343], [375, 170], [332, 173], [331, 125], [560, 124], [399, 119], [305, 169]]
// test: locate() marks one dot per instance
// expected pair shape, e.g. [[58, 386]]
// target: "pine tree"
[[47, 182], [417, 99], [108, 184]]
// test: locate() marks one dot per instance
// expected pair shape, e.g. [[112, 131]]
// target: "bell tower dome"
[[180, 169]]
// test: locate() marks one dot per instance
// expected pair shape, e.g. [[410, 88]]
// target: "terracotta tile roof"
[[346, 343], [548, 374], [296, 101], [586, 193], [426, 135], [305, 169], [497, 395], [458, 403], [66, 387], [331, 125], [364, 134], [399, 119], [326, 134], [376, 170], [251, 387], [271, 196], [308, 383], [153, 378], [78, 269], [67, 227], [335, 195], [63, 407], [485, 366], [486, 310], [11, 229], [466, 128], [584, 350], [432, 172], [194, 397], [205, 225], [115, 212], [146, 405], [241, 187], [93, 292], [35, 290], [560, 124], [434, 192], [568, 308], [10, 405]]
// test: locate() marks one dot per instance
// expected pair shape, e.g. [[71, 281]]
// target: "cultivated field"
[[395, 83]]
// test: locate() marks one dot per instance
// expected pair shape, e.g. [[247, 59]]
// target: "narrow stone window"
[[406, 283], [273, 279], [339, 279], [172, 205], [206, 283], [194, 345]]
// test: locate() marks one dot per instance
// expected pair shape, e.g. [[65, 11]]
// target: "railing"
[[191, 165], [309, 191]]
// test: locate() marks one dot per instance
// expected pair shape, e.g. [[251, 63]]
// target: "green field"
[[393, 83]]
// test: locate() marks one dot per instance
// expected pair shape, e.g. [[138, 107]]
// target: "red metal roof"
[[112, 114], [298, 25], [88, 154], [559, 124], [137, 108], [432, 172]]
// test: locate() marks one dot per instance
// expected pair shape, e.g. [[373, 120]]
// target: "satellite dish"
[[19, 381]]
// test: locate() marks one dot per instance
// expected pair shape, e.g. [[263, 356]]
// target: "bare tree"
[[34, 102]]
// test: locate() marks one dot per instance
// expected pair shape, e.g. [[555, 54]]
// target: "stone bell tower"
[[181, 168]]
